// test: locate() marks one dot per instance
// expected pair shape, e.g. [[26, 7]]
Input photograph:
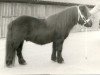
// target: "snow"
[[80, 52]]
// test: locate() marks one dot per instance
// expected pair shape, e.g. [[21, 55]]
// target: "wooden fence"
[[10, 11]]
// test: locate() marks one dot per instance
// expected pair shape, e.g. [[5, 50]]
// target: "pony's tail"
[[10, 52]]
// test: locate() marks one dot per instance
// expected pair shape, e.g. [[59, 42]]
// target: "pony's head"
[[84, 16]]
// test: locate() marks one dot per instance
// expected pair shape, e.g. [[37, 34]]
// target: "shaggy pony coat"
[[54, 29]]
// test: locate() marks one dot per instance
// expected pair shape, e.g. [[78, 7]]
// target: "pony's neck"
[[76, 15], [74, 19]]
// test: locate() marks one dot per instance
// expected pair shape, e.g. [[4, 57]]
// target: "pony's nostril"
[[88, 24]]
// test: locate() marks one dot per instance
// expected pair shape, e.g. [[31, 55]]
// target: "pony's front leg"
[[58, 48], [53, 56]]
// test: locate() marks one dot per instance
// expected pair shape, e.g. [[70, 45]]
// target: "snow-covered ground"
[[81, 52]]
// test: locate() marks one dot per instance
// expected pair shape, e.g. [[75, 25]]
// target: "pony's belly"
[[41, 36], [41, 40]]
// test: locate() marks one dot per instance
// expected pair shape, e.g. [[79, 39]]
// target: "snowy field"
[[81, 52]]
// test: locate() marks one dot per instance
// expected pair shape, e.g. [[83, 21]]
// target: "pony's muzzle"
[[88, 23]]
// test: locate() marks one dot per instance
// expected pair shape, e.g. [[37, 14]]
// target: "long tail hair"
[[10, 51]]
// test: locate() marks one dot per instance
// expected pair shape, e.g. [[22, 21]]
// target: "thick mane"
[[66, 18]]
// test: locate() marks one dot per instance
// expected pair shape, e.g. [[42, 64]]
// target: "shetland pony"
[[54, 28]]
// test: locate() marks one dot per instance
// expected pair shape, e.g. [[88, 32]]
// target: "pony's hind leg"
[[19, 54]]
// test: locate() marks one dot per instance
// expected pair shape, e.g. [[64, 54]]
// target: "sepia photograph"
[[49, 37]]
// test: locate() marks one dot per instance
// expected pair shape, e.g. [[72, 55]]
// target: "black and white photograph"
[[49, 37]]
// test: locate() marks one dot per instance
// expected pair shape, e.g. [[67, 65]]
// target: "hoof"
[[53, 59], [22, 62], [60, 60], [9, 63]]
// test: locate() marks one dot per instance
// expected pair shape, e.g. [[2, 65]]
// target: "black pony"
[[54, 29]]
